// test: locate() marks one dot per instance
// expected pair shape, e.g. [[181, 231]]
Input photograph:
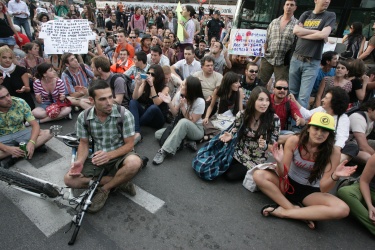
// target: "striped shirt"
[[279, 43], [59, 90], [80, 79], [105, 134]]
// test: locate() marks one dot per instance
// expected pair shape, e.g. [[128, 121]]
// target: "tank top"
[[300, 169], [6, 31]]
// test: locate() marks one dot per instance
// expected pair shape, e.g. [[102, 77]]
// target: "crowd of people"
[[313, 111]]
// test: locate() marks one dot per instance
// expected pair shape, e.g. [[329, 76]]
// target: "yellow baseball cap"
[[322, 120]]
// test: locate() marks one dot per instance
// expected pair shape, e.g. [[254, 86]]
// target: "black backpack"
[[127, 85]]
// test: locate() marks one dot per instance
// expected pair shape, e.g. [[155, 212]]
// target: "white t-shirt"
[[197, 107]]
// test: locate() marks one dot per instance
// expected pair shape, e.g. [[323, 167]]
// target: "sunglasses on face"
[[132, 37], [151, 73], [280, 88], [253, 71]]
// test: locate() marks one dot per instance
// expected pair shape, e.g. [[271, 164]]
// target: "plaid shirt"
[[279, 43], [106, 134]]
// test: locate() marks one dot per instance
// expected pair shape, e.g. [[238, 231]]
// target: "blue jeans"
[[23, 22], [152, 116], [302, 77]]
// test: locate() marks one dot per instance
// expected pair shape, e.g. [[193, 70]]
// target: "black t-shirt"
[[356, 84], [214, 27]]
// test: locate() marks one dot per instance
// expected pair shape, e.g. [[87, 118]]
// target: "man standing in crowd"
[[187, 66], [113, 150], [313, 29], [110, 26], [171, 22], [214, 27], [14, 112], [279, 40], [20, 12]]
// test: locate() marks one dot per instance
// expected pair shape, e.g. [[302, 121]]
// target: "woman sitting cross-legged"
[[190, 102], [147, 107], [48, 88], [307, 169], [258, 128]]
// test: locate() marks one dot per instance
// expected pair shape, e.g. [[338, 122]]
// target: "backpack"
[[72, 78], [127, 83], [119, 125], [352, 49]]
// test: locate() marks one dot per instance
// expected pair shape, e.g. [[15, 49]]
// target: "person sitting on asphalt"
[[123, 63], [360, 197], [250, 80], [76, 80], [14, 112], [147, 107], [140, 66], [111, 152], [156, 57], [308, 167], [48, 88], [191, 104], [188, 66], [172, 81]]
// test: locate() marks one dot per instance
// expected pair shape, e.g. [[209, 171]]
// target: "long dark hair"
[[193, 90], [322, 156], [225, 92], [42, 69], [266, 125], [159, 80], [356, 33]]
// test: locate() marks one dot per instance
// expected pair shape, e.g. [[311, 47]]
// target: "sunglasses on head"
[[253, 71], [280, 88], [151, 73]]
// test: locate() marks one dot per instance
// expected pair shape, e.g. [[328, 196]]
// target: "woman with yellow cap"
[[308, 167]]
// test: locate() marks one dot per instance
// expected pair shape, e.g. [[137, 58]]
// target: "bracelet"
[[155, 96], [334, 179], [33, 142]]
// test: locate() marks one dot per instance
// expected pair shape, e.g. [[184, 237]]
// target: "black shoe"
[[7, 162], [41, 149], [192, 145]]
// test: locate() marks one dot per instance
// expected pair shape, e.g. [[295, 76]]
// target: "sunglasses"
[[280, 88], [132, 37], [151, 73], [253, 71]]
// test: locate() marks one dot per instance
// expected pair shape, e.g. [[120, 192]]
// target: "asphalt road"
[[173, 209]]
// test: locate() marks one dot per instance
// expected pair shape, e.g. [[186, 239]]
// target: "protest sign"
[[247, 42], [66, 35]]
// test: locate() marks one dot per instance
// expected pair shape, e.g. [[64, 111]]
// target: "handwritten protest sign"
[[66, 35], [247, 42]]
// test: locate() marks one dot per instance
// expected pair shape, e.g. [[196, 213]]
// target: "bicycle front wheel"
[[19, 180]]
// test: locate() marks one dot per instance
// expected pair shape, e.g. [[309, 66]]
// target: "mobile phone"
[[143, 76]]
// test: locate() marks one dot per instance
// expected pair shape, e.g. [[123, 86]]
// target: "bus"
[[257, 14]]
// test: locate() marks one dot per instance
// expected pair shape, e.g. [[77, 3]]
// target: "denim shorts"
[[8, 41], [17, 137]]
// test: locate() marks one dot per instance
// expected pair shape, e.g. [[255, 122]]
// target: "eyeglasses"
[[151, 73], [280, 88], [253, 71], [132, 37]]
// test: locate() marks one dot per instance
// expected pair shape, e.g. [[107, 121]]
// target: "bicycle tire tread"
[[17, 179]]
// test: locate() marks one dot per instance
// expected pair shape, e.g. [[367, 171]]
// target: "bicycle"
[[50, 191]]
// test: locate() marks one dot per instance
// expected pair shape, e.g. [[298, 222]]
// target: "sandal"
[[311, 224], [274, 206]]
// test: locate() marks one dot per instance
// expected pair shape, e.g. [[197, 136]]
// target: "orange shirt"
[[117, 68], [128, 47], [120, 7]]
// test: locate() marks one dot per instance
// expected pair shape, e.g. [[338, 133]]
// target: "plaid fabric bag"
[[213, 159]]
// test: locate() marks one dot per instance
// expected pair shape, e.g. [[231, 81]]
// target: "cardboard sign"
[[66, 35], [247, 42]]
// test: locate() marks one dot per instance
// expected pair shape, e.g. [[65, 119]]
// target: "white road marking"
[[47, 216]]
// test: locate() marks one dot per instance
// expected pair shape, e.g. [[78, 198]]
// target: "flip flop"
[[311, 224], [274, 206]]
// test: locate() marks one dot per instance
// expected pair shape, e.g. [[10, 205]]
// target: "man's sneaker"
[[192, 145], [7, 162], [128, 188], [98, 201], [159, 157]]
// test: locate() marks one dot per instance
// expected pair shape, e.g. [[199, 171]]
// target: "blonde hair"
[[6, 49]]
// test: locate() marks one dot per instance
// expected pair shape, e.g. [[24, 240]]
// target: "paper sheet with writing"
[[66, 35], [247, 42]]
